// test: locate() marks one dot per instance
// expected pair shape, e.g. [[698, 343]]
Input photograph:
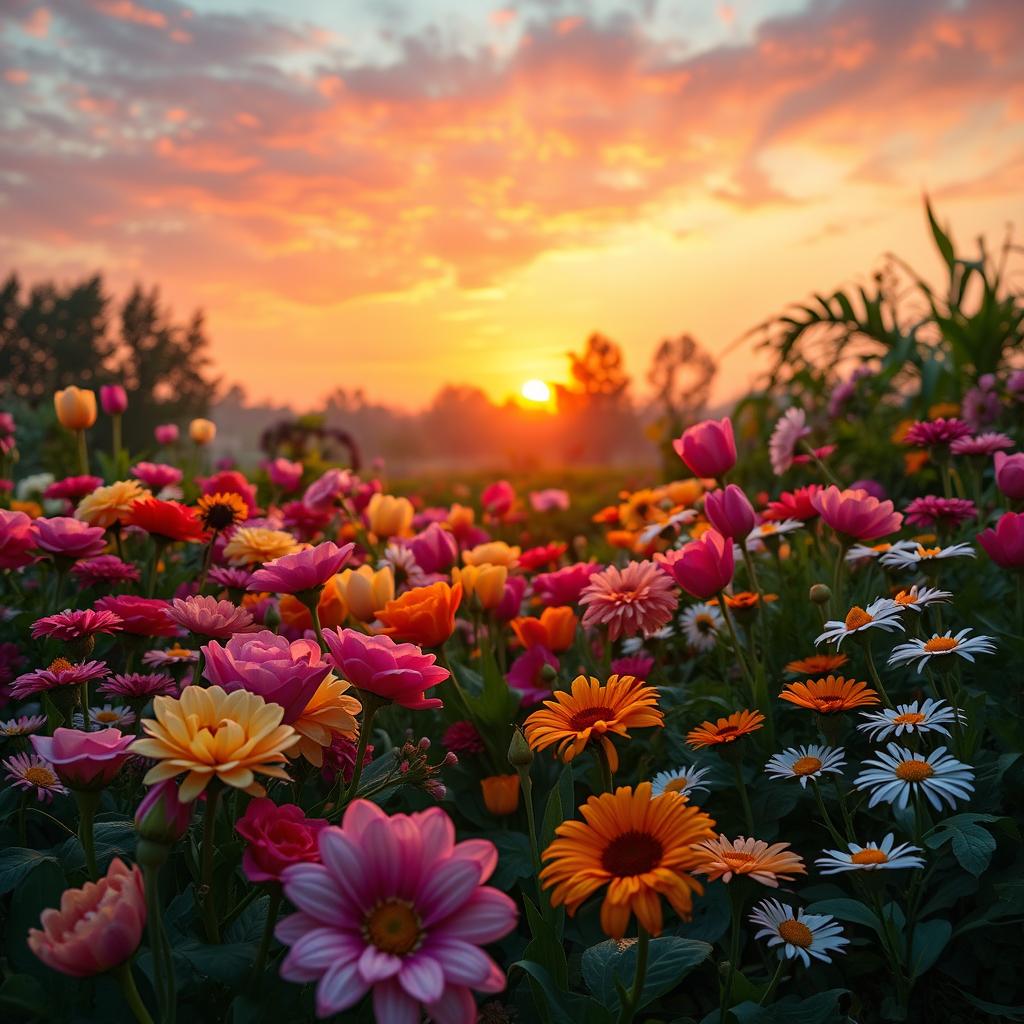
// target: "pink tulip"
[[435, 549], [703, 568], [1005, 544], [564, 586], [511, 603], [285, 474], [498, 498], [1010, 474], [114, 399], [84, 760], [161, 817], [856, 514], [708, 448], [166, 433], [730, 512], [18, 536]]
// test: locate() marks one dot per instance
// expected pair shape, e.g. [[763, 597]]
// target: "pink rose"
[[278, 836]]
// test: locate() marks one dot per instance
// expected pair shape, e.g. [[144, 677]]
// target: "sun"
[[535, 391]]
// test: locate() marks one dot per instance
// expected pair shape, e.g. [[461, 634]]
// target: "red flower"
[[278, 837], [537, 558], [167, 519], [140, 616], [793, 505]]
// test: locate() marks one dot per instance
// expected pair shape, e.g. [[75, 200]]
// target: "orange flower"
[[817, 664], [591, 711], [723, 858], [624, 539], [640, 848], [725, 730], [608, 515], [331, 608], [743, 600], [219, 511], [330, 712], [423, 615], [501, 794], [829, 695], [555, 629]]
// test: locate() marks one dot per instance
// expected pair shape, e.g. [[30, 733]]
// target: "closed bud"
[[820, 593], [114, 399], [202, 431], [548, 673], [161, 817], [501, 794], [519, 753], [75, 408]]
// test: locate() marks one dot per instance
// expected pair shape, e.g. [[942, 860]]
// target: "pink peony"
[[1005, 544], [708, 448], [18, 536], [435, 549], [564, 586], [206, 616], [636, 599], [156, 475], [285, 474], [277, 837], [730, 512], [704, 567], [140, 616], [84, 760], [69, 538], [104, 569], [1010, 474], [399, 908], [856, 514], [70, 625], [532, 674], [304, 570]]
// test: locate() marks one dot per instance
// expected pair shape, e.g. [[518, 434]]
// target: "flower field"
[[742, 746]]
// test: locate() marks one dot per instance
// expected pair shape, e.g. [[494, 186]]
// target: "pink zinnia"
[[206, 616], [462, 738], [18, 537], [532, 674], [69, 538], [72, 487], [856, 514], [397, 672], [140, 616], [397, 906], [637, 599], [104, 569], [72, 625], [704, 567], [981, 444], [157, 475], [84, 760], [60, 673], [139, 686], [304, 570], [564, 586], [787, 434], [933, 433], [932, 510]]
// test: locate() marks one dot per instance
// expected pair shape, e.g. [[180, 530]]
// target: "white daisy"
[[23, 726], [634, 644], [106, 717], [903, 558], [701, 623], [880, 614], [771, 528], [881, 856], [929, 716], [917, 597], [859, 551], [674, 522], [922, 651], [803, 763], [800, 935], [899, 772], [786, 435], [683, 780]]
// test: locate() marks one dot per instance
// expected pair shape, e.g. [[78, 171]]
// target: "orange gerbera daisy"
[[725, 730], [817, 664], [640, 848], [219, 511], [723, 858], [593, 710], [829, 695], [744, 599]]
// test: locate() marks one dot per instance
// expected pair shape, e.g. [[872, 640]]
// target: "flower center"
[[767, 528], [393, 927], [737, 859], [727, 733], [829, 702], [676, 785], [856, 618], [632, 853], [588, 717], [178, 652], [806, 765], [940, 644], [704, 624], [869, 857], [40, 776], [796, 933], [60, 665], [910, 718], [914, 771], [905, 597], [927, 552], [106, 716]]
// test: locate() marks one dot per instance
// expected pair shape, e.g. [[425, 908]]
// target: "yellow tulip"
[[389, 516], [202, 431], [495, 552], [486, 582], [75, 407], [366, 590]]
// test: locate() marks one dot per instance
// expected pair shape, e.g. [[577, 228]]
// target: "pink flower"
[[463, 738], [305, 570], [340, 759], [981, 444], [564, 586], [704, 567], [397, 672], [230, 578], [303, 521], [104, 569], [18, 536], [161, 816], [637, 665], [935, 433], [856, 514], [498, 498], [157, 475], [114, 399], [285, 474], [511, 603], [140, 616], [206, 616], [324, 493], [1005, 544], [97, 928], [277, 837], [796, 504], [636, 599], [435, 549], [934, 511], [84, 760], [730, 512], [264, 663], [60, 673], [72, 487], [787, 434], [75, 625], [551, 499], [139, 686], [69, 538], [1010, 474], [532, 674], [166, 433], [708, 448], [397, 906]]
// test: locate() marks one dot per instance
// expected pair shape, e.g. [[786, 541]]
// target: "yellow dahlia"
[[251, 544], [111, 504]]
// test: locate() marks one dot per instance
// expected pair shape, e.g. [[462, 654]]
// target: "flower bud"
[[820, 593], [519, 753], [114, 399], [202, 431], [161, 817], [166, 433], [75, 408], [548, 673]]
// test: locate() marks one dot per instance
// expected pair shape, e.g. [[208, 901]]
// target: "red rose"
[[277, 837]]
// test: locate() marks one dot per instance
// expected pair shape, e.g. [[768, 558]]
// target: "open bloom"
[[104, 569], [803, 763], [31, 772], [830, 695], [795, 504], [218, 511], [708, 448], [97, 928], [638, 847], [918, 597], [884, 856], [910, 558], [69, 538], [983, 445], [206, 616], [684, 780], [555, 629], [935, 511], [790, 429], [918, 716], [939, 646], [592, 711], [1005, 544], [248, 545], [817, 664], [329, 715], [856, 514], [211, 734], [84, 760], [880, 614], [563, 586], [60, 672], [303, 570], [167, 520], [800, 936], [18, 536], [701, 624], [936, 433], [424, 616], [725, 730], [636, 599], [277, 836], [704, 567], [723, 858], [139, 686], [157, 475], [140, 616], [396, 906], [71, 488], [532, 674], [78, 624], [897, 773], [285, 474]]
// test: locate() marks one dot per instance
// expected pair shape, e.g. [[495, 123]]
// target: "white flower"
[[930, 716], [904, 558], [701, 623], [803, 763], [899, 773], [859, 551], [634, 644], [681, 518], [31, 488], [800, 935], [683, 780], [917, 597], [881, 856], [756, 537], [940, 645], [106, 717], [790, 428], [880, 614]]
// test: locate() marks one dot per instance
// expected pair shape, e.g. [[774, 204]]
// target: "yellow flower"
[[389, 516], [219, 511], [75, 408], [366, 590], [111, 504], [330, 712], [202, 431], [251, 544], [496, 552], [211, 734], [684, 492], [485, 581]]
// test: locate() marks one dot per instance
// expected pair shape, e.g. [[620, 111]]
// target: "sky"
[[395, 194]]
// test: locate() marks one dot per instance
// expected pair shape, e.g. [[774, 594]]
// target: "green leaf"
[[112, 839], [972, 845], [16, 863], [848, 910], [514, 858], [822, 1008], [942, 240], [54, 718], [994, 1009], [545, 947], [930, 939], [21, 995], [564, 1007]]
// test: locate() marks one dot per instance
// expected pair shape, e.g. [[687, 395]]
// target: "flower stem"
[[607, 785], [83, 453], [735, 917], [741, 785], [740, 656], [83, 691], [88, 801], [131, 993], [874, 674], [370, 705], [163, 961], [268, 931], [643, 945], [209, 828]]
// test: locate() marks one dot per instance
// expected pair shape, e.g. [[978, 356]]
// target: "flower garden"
[[286, 745]]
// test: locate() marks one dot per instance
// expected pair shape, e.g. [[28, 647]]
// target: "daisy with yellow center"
[[112, 504], [209, 734], [938, 646], [916, 717], [798, 936], [636, 846], [817, 664], [174, 655], [880, 614], [725, 730], [684, 781], [909, 558], [251, 544], [701, 624], [899, 773], [804, 763], [330, 712], [829, 696], [219, 511], [883, 856], [917, 597], [724, 858]]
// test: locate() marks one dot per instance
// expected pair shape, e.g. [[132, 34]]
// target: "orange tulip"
[[555, 629], [202, 431], [424, 615], [331, 609], [501, 794], [75, 408]]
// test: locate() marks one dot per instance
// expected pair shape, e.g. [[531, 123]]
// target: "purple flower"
[[323, 493], [435, 549], [230, 577]]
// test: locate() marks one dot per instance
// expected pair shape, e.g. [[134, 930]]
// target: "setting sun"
[[535, 391]]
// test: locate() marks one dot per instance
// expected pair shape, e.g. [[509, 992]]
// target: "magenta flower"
[[141, 616], [104, 569], [139, 686], [435, 549], [498, 498], [166, 433], [511, 603], [113, 399], [730, 512], [267, 664], [708, 448], [340, 759], [1010, 474], [72, 487], [550, 499], [161, 816], [230, 578], [84, 760], [1005, 544], [637, 599], [935, 511], [637, 665], [704, 567], [564, 586], [463, 738], [284, 474], [532, 674], [18, 537], [981, 444], [76, 625], [856, 514], [936, 433], [304, 570], [323, 493], [206, 616], [69, 538], [60, 673], [277, 836], [394, 671], [397, 906], [157, 475]]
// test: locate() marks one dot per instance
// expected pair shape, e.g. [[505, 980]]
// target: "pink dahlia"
[[397, 672], [18, 536], [935, 511], [532, 674], [77, 624], [305, 570], [140, 616], [396, 906], [856, 514], [104, 569], [206, 616], [564, 586], [936, 433], [637, 599], [84, 760], [139, 686], [157, 475], [72, 487], [463, 738], [787, 434], [60, 673], [69, 538], [981, 444]]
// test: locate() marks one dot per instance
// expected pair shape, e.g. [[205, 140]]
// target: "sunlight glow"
[[535, 391]]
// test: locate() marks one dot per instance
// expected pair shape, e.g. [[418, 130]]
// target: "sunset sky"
[[400, 193]]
